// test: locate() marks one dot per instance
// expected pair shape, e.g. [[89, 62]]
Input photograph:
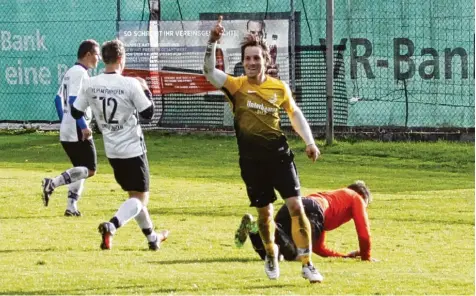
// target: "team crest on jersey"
[[273, 99]]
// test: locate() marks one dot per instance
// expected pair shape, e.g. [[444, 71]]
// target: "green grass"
[[422, 221]]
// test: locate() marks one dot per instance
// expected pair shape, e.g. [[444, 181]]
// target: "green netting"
[[38, 43], [375, 83], [438, 91]]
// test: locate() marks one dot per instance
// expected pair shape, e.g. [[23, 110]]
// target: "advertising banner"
[[169, 54]]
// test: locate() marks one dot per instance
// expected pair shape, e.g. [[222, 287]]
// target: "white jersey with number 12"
[[115, 101]]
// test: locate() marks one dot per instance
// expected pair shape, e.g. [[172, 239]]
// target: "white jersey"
[[115, 101], [70, 86]]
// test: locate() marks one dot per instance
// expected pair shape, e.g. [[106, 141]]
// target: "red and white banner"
[[167, 82]]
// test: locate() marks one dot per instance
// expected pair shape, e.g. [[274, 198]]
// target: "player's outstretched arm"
[[362, 226], [300, 125], [319, 247], [216, 77]]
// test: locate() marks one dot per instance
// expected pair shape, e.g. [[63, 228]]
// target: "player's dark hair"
[[85, 47], [362, 189], [112, 50], [252, 40]]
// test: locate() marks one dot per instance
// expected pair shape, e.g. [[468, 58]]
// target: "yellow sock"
[[301, 232], [266, 232]]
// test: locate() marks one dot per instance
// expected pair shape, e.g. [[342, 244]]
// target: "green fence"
[[397, 63]]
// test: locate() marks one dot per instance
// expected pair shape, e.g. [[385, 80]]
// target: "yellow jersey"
[[256, 115]]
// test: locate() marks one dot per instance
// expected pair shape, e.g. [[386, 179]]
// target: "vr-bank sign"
[[405, 65], [404, 62]]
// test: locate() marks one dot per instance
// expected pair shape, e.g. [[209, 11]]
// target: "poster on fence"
[[169, 54]]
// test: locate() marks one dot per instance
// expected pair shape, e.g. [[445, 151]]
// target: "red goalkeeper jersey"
[[339, 207]]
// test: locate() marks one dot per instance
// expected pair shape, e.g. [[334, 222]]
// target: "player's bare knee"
[[265, 215], [295, 210], [264, 221], [265, 212], [142, 196], [295, 206], [91, 173]]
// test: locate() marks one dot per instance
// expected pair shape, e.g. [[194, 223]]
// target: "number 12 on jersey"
[[109, 106]]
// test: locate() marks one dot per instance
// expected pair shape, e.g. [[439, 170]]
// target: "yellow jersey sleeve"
[[232, 84]]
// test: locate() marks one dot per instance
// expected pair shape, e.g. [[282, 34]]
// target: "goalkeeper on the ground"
[[326, 211]]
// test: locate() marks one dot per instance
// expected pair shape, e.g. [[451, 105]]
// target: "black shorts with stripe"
[[263, 176], [81, 153], [132, 174]]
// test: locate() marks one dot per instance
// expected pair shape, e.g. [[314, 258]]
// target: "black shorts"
[[131, 173], [313, 212], [81, 153], [262, 177], [283, 234]]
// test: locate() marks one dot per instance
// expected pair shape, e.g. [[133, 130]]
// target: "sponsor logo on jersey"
[[261, 107], [96, 90]]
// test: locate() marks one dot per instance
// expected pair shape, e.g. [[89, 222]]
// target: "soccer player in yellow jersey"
[[266, 161]]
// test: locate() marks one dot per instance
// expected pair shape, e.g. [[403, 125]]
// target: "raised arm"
[[216, 77]]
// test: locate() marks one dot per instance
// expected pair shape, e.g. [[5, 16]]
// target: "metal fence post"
[[329, 71], [292, 58]]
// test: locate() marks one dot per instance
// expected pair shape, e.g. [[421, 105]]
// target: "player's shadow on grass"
[[26, 217], [86, 291], [205, 260], [205, 211], [424, 220], [267, 285], [31, 250]]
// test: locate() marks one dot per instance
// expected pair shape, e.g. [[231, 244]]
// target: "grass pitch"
[[422, 221]]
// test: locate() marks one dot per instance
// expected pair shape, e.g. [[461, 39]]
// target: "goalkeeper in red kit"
[[326, 211]]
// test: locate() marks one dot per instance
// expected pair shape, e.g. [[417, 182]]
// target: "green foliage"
[[422, 221]]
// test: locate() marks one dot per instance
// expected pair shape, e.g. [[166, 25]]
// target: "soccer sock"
[[128, 210], [254, 227], [301, 233], [145, 223], [74, 194], [70, 176], [286, 245], [257, 244], [266, 231]]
